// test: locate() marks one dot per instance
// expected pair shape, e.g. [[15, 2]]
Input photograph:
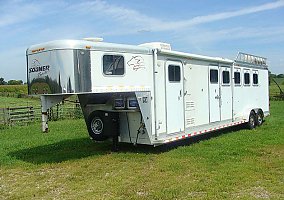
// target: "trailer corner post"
[[47, 101], [155, 58], [44, 116], [44, 122]]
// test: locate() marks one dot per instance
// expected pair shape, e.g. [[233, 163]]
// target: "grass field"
[[65, 164], [20, 89], [273, 89], [13, 102]]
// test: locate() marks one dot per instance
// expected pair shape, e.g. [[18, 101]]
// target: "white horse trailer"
[[148, 94]]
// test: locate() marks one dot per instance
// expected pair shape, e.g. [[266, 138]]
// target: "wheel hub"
[[252, 121], [259, 119], [97, 126]]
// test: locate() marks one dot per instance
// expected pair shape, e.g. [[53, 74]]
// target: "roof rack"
[[250, 59]]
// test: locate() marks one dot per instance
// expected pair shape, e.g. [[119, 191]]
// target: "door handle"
[[217, 97]]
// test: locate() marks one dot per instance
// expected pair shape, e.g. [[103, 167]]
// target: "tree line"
[[276, 76], [10, 82]]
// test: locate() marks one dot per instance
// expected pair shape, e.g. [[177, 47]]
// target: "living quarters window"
[[237, 78], [113, 65], [226, 77], [213, 76], [174, 73], [255, 79], [246, 78]]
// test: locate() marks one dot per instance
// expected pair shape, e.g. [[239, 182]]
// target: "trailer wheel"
[[96, 126], [252, 120], [259, 117]]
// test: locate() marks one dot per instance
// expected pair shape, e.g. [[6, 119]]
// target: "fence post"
[[9, 117]]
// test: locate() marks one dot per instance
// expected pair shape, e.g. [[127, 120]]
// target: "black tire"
[[252, 120], [259, 118], [96, 126]]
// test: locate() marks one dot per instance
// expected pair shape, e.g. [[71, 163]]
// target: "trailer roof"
[[83, 44], [112, 47], [195, 56]]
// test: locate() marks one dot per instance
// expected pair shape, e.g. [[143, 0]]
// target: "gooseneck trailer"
[[148, 94]]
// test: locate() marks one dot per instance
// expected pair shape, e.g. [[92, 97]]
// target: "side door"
[[214, 94], [174, 96], [226, 93]]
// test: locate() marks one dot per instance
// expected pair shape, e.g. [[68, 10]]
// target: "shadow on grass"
[[62, 151], [173, 145], [84, 147]]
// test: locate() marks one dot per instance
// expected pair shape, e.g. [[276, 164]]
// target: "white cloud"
[[135, 21], [226, 15], [125, 20], [15, 12], [20, 11], [257, 34]]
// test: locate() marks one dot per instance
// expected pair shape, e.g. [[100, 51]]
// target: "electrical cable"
[[128, 127], [141, 125]]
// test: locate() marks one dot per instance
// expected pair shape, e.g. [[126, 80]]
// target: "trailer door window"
[[246, 78], [226, 77], [237, 77], [213, 76], [174, 73], [113, 65]]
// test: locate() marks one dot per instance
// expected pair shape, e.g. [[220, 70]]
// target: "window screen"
[[237, 76], [246, 78], [255, 79], [174, 73], [113, 65], [213, 76], [226, 77]]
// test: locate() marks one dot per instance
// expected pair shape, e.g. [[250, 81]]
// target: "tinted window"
[[246, 78], [113, 65], [255, 79], [174, 73], [226, 77], [213, 76], [237, 76]]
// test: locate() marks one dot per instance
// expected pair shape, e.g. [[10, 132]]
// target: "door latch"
[[217, 97]]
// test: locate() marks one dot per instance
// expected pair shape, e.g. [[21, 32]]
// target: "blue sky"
[[206, 27]]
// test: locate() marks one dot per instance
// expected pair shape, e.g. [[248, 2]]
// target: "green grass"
[[280, 81], [273, 89], [13, 102], [11, 96], [65, 164], [16, 89]]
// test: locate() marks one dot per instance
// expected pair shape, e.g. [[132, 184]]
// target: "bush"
[[14, 89]]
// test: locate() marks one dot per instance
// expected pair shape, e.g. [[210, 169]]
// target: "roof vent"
[[157, 45], [93, 39]]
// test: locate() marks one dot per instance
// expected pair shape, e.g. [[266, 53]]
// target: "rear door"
[[214, 94], [174, 96]]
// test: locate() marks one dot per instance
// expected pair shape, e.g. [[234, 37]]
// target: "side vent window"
[[255, 79], [226, 77], [246, 78], [113, 65], [237, 76]]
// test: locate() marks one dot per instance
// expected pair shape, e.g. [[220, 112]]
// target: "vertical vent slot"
[[189, 105], [190, 121]]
